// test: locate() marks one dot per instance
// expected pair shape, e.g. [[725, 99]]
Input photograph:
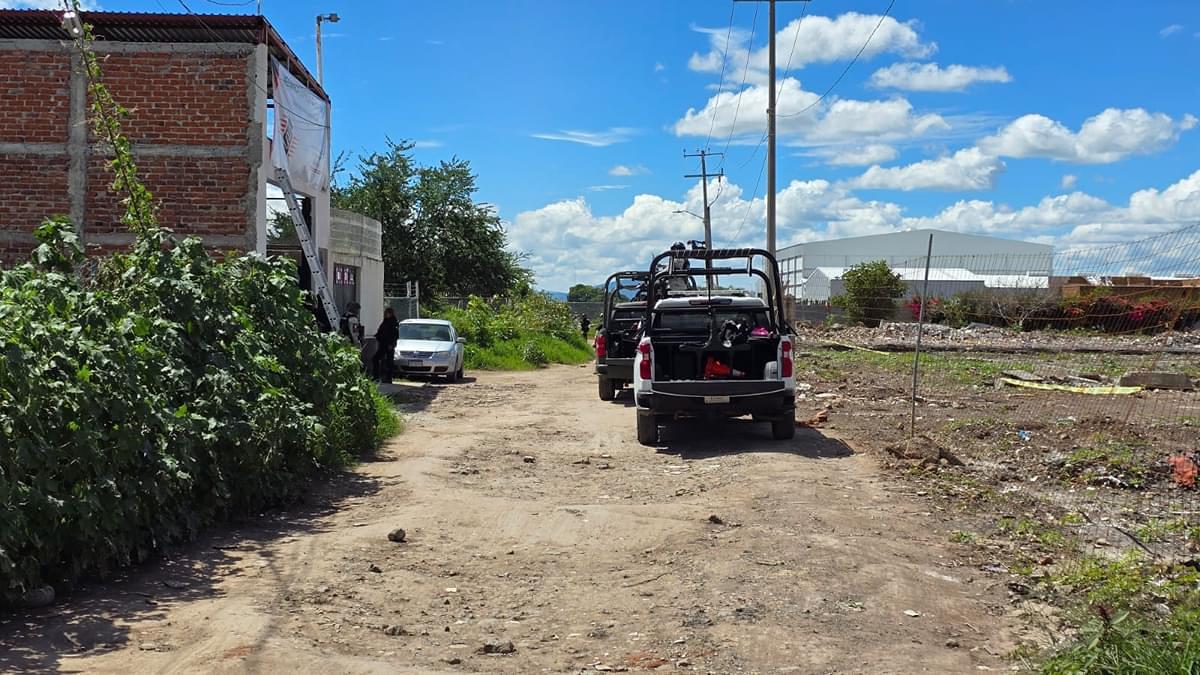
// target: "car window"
[[424, 331]]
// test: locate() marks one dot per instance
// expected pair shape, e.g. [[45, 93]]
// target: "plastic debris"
[[1184, 470]]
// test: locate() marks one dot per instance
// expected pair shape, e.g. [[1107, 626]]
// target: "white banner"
[[301, 139]]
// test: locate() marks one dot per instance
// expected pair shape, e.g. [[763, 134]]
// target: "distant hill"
[[557, 295]]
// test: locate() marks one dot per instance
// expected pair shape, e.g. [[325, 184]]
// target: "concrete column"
[[258, 150], [78, 149]]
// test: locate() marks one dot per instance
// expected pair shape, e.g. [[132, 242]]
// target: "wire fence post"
[[912, 415]]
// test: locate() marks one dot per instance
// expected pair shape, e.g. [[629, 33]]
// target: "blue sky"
[[1068, 122]]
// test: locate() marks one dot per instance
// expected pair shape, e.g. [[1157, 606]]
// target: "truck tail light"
[[786, 347], [644, 356], [601, 346]]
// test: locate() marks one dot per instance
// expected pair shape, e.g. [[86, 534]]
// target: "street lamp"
[[694, 215], [331, 18]]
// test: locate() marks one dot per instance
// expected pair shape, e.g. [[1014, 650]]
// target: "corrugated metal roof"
[[40, 24]]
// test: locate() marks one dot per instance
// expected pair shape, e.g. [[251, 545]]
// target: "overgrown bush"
[[1032, 309], [171, 391], [518, 333], [871, 292], [166, 392]]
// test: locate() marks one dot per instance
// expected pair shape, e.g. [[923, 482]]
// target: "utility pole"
[[771, 136], [771, 125], [703, 176]]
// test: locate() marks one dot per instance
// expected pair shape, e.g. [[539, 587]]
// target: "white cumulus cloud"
[[1107, 137], [819, 209], [628, 170], [1069, 181], [836, 121], [967, 169], [817, 39], [932, 77], [861, 155]]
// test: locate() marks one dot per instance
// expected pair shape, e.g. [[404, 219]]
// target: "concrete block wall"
[[355, 240], [194, 123]]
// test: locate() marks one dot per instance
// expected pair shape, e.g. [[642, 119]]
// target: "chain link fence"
[[1070, 397]]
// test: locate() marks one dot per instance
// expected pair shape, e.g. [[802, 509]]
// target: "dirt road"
[[534, 517]]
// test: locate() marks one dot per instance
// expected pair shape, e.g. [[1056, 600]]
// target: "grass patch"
[[1134, 616], [518, 333], [527, 354], [1106, 459], [962, 537], [387, 421], [956, 369]]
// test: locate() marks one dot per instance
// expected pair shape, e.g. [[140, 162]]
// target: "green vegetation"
[[433, 229], [518, 333], [1135, 616], [585, 293], [831, 365], [962, 537], [871, 292], [387, 421], [1106, 457], [162, 392]]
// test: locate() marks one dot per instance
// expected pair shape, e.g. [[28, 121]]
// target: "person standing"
[[386, 337], [584, 324]]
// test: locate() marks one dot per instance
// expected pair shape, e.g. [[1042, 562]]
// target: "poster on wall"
[[301, 139]]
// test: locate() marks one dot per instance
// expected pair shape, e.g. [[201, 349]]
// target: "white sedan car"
[[430, 347]]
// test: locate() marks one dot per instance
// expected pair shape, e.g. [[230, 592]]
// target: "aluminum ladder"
[[319, 284]]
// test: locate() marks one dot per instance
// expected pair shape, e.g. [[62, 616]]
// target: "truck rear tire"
[[783, 429], [647, 429], [607, 392]]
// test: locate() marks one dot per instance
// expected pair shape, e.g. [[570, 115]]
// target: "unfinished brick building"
[[198, 88]]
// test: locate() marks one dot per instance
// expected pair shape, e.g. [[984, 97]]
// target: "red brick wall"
[[35, 97], [197, 195], [193, 100], [182, 99], [32, 188]]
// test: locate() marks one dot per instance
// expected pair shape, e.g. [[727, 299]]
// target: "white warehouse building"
[[812, 270]]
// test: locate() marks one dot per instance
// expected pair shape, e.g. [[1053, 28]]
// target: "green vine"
[[105, 120]]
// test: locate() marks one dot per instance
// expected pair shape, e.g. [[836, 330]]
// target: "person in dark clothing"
[[584, 323], [385, 337]]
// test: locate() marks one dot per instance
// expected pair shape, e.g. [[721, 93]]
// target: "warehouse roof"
[[943, 274]]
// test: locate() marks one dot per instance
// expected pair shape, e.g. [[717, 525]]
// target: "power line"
[[791, 54], [721, 80], [850, 65], [750, 204], [742, 88]]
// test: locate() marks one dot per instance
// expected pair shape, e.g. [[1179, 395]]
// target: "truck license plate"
[[410, 363], [716, 399]]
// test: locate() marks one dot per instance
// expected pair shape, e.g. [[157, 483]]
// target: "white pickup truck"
[[714, 356]]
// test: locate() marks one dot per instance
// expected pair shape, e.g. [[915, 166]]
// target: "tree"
[[434, 231], [585, 293], [871, 292]]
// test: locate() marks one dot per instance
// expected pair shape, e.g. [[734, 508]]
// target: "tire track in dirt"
[[534, 517]]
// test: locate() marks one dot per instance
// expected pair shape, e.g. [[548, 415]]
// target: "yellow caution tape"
[[1098, 391]]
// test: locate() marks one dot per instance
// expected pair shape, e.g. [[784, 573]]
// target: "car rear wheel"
[[607, 391], [647, 429], [783, 429]]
